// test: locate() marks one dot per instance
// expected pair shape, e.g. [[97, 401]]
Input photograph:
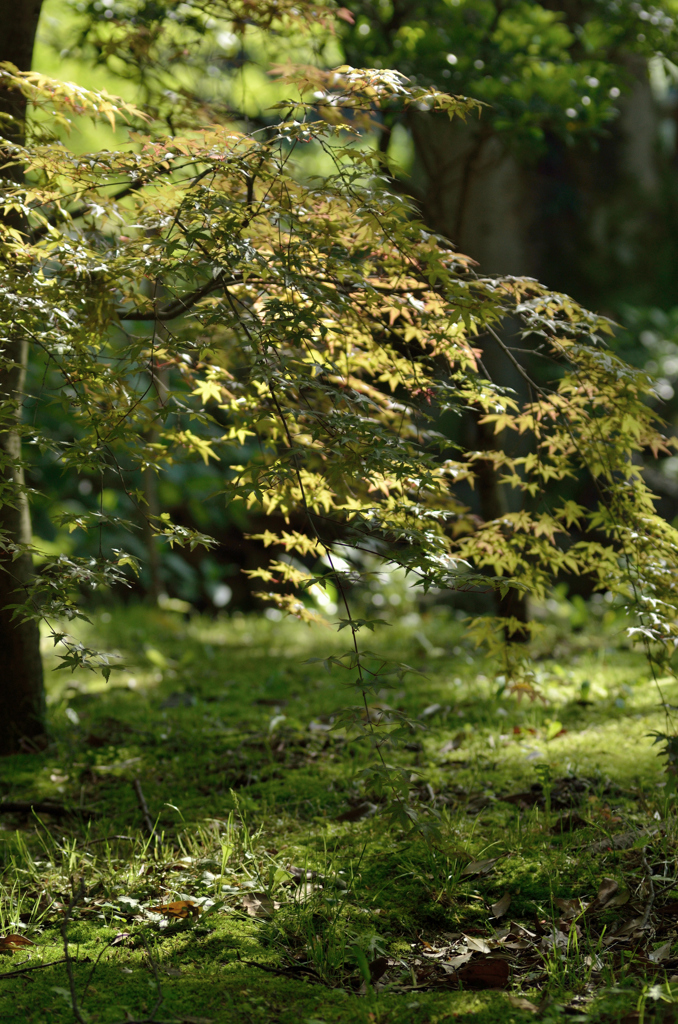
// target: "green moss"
[[225, 723]]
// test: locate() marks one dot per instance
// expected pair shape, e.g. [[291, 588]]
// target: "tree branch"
[[130, 189], [180, 305]]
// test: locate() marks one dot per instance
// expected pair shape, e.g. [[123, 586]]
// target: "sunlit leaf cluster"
[[200, 297]]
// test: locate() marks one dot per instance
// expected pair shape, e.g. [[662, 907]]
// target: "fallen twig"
[[106, 839], [307, 972], [145, 813], [75, 899], [154, 968], [44, 807], [35, 967], [158, 1002], [109, 944], [72, 903], [648, 877]]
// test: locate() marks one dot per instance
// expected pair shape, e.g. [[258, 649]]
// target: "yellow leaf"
[[180, 908], [207, 389]]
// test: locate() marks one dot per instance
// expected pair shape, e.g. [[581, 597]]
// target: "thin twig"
[[650, 902], [182, 304], [154, 968], [74, 900], [145, 813], [108, 945], [106, 839], [43, 807], [286, 972], [35, 967]]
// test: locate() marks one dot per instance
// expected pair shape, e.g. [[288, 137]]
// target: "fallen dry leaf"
[[480, 867], [459, 961], [570, 908], [607, 889], [258, 904], [477, 945], [662, 953], [363, 810], [521, 1003], [622, 841], [499, 908], [619, 900], [180, 908], [556, 940], [626, 929], [484, 973], [8, 943]]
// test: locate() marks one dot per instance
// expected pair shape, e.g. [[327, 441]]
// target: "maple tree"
[[201, 295]]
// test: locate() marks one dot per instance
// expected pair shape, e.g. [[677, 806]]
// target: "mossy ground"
[[226, 725]]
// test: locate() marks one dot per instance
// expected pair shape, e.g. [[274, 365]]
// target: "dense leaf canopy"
[[202, 296]]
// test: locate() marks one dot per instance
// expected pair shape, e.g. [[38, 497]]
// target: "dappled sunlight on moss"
[[229, 727]]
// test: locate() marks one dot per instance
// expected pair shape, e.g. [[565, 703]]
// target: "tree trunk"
[[494, 208], [478, 195], [493, 505], [160, 381], [22, 704]]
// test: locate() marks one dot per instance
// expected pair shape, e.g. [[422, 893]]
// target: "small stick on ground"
[[35, 967], [106, 839], [650, 900], [77, 895], [145, 813], [43, 807], [160, 997]]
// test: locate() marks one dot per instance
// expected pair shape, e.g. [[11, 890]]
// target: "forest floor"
[[275, 888]]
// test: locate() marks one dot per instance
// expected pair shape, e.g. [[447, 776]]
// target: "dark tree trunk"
[[21, 681], [493, 505], [475, 191], [478, 195]]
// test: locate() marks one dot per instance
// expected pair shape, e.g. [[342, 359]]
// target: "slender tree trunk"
[[21, 681], [160, 380], [155, 587], [478, 195], [493, 505]]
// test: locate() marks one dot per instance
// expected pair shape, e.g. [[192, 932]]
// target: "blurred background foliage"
[[570, 176]]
